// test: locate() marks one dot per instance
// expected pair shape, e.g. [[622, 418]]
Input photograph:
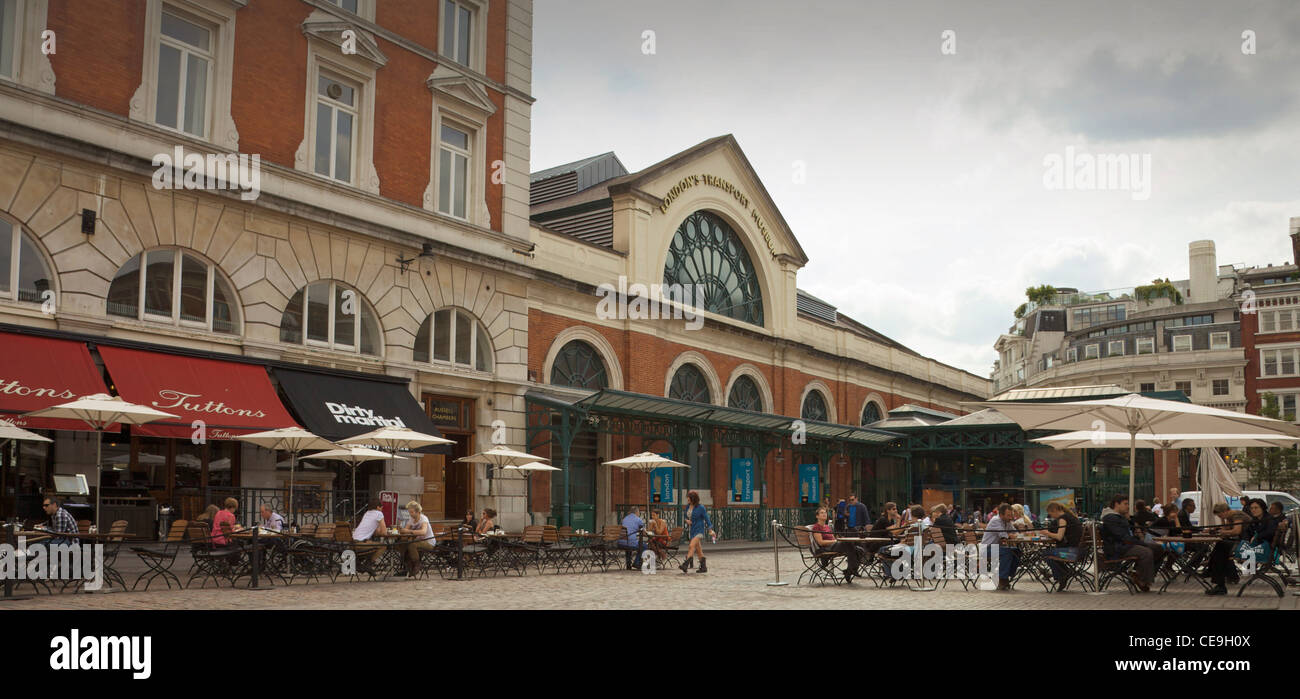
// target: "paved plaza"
[[735, 581]]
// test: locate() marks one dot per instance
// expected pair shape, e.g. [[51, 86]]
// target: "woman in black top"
[[1233, 530], [1264, 528], [1067, 530]]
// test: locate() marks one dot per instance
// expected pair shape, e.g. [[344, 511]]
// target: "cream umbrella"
[[502, 456], [1216, 482], [100, 410], [528, 473], [352, 456], [393, 440], [646, 461], [1135, 414], [292, 440], [11, 432]]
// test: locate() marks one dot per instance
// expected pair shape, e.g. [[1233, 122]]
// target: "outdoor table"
[[112, 543], [1032, 562], [1182, 564]]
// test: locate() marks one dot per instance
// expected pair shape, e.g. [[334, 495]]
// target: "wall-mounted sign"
[[714, 181], [1052, 467], [448, 413], [662, 483], [742, 480], [809, 484]]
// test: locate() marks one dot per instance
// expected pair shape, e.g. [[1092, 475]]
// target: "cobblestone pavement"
[[736, 580]]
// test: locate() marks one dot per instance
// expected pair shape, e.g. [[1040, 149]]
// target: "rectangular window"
[[184, 69], [1072, 355], [1146, 345], [1220, 387], [1284, 319], [1184, 386], [442, 335], [1286, 364], [1115, 348], [1091, 351], [1219, 341], [1146, 388], [349, 5], [336, 124], [1268, 321], [8, 36], [1270, 362], [1182, 343], [453, 168], [1286, 405], [457, 23]]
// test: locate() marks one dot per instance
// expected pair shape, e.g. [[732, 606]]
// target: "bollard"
[[776, 558]]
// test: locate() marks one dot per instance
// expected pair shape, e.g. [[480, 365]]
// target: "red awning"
[[38, 372], [230, 398]]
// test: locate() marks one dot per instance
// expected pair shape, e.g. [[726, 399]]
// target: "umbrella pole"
[[99, 472], [352, 516], [293, 463], [1132, 464]]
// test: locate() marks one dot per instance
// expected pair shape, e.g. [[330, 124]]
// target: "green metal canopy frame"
[[679, 422]]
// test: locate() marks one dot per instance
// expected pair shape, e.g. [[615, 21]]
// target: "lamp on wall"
[[426, 250]]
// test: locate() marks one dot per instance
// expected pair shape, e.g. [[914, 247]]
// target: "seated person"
[[372, 522], [939, 515], [224, 517], [1262, 529], [1008, 558], [423, 533], [824, 540], [1066, 530], [887, 525], [1233, 531], [271, 520], [632, 541], [469, 522], [487, 524], [208, 514], [856, 517], [658, 530], [1119, 541], [61, 522]]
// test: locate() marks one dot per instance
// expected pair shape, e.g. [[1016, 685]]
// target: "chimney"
[[1295, 240], [1203, 277]]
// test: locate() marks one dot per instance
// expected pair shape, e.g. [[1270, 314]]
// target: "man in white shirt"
[[999, 528], [372, 522], [271, 520]]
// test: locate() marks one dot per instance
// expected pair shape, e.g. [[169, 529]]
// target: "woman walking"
[[700, 524]]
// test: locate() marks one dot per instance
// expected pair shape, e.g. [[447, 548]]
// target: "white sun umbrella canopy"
[[9, 430], [1084, 439], [292, 440], [528, 472], [395, 439], [99, 410], [353, 456], [1135, 414], [646, 461]]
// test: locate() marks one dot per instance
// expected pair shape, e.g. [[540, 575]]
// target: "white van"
[[1289, 502]]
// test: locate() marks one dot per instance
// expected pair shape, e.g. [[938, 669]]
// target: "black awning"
[[336, 407]]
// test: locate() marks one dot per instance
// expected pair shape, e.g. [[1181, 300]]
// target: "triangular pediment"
[[449, 84], [328, 28]]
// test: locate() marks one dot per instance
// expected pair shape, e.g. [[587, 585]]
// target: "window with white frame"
[[185, 60], [172, 285], [1182, 343], [1091, 351], [1115, 348], [1286, 406], [1219, 341], [349, 5], [457, 22], [1279, 362], [453, 170], [331, 314], [1219, 387], [1146, 345], [453, 335], [24, 275], [334, 143], [1278, 321], [1072, 354]]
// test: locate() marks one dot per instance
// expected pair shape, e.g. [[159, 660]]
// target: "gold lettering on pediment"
[[735, 192]]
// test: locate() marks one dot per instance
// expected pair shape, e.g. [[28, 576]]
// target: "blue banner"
[[809, 484], [742, 480], [662, 483]]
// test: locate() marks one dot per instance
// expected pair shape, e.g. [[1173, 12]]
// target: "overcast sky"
[[925, 212]]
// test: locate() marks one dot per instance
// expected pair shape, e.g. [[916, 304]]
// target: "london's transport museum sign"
[[714, 181]]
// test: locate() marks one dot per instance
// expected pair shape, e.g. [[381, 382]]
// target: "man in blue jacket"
[[1119, 541], [856, 517]]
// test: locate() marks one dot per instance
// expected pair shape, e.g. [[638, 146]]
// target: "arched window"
[[871, 413], [706, 252], [689, 384], [453, 335], [331, 314], [814, 407], [579, 365], [744, 395], [173, 285], [24, 276]]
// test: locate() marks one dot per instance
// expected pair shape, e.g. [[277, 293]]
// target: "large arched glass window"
[[744, 395], [706, 252], [453, 335], [689, 384], [331, 314], [870, 413], [579, 365], [173, 285], [814, 407], [24, 276]]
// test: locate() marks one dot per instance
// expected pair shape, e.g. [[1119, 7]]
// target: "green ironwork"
[[814, 407], [750, 523], [706, 255], [689, 384], [579, 365]]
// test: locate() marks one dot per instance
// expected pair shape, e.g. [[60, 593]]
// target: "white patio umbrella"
[[528, 473], [352, 456], [1216, 482], [502, 456], [393, 440], [100, 410], [292, 440], [1135, 414], [11, 432], [646, 461]]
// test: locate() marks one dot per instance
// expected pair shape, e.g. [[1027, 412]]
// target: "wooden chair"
[[607, 547], [818, 564], [1120, 568], [211, 562], [1273, 564], [83, 526], [159, 561], [307, 530]]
